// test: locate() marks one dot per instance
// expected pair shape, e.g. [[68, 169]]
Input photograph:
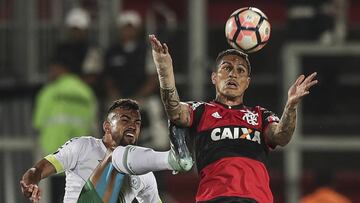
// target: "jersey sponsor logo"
[[235, 133], [216, 115], [250, 117]]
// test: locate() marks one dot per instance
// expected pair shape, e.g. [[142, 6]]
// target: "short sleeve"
[[196, 109], [150, 193], [66, 157], [268, 117]]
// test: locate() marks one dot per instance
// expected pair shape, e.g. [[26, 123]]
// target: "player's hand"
[[161, 55], [300, 89], [31, 191]]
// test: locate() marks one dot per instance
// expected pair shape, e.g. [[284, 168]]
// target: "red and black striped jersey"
[[231, 150]]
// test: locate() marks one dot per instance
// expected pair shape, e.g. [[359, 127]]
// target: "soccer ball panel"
[[264, 31], [249, 19], [230, 28], [246, 39]]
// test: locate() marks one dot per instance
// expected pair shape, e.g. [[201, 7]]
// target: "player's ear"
[[106, 126], [248, 81], [213, 78]]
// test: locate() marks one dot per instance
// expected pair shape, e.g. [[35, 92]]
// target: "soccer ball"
[[247, 29]]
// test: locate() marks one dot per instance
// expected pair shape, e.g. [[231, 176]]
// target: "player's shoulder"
[[268, 114], [197, 104], [84, 141], [258, 108]]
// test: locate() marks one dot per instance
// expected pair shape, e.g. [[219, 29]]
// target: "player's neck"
[[229, 101], [108, 141]]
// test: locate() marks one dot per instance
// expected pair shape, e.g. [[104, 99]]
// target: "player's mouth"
[[129, 134], [232, 84]]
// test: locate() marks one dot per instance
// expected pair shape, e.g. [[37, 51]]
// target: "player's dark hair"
[[124, 103], [232, 52]]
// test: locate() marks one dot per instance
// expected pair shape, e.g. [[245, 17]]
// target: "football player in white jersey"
[[85, 160]]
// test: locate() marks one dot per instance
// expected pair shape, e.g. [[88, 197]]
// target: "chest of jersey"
[[221, 132]]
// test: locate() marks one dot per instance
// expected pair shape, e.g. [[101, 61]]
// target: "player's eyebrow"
[[128, 117], [225, 62]]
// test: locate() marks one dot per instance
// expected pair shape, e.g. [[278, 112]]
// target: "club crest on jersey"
[[135, 182], [235, 133], [250, 117]]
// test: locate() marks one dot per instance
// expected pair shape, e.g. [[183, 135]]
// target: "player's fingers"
[[152, 42], [35, 195], [35, 192], [155, 44], [312, 83], [310, 77], [166, 48], [299, 80], [305, 93], [30, 188], [23, 186]]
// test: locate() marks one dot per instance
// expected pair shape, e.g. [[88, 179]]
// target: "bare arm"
[[31, 178], [281, 133], [177, 111]]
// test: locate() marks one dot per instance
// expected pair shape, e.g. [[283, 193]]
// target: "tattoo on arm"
[[283, 132], [170, 98], [177, 112]]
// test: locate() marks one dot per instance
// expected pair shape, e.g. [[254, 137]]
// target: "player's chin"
[[231, 93], [129, 141]]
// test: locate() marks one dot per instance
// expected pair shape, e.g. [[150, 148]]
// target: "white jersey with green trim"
[[79, 157]]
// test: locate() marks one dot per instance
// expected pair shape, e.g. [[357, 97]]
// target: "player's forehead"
[[234, 60], [125, 112]]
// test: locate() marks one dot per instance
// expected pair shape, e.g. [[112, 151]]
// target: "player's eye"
[[227, 67], [241, 69]]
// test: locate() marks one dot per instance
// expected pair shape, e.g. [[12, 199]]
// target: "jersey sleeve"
[[150, 193], [196, 109], [66, 157], [268, 117]]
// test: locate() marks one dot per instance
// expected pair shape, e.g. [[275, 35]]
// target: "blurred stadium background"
[[307, 36]]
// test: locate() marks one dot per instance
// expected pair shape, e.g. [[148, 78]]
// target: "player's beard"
[[126, 140]]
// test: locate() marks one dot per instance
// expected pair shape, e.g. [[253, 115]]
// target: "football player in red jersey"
[[232, 140]]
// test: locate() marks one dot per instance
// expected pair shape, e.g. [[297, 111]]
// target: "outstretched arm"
[[281, 133], [31, 178], [177, 111]]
